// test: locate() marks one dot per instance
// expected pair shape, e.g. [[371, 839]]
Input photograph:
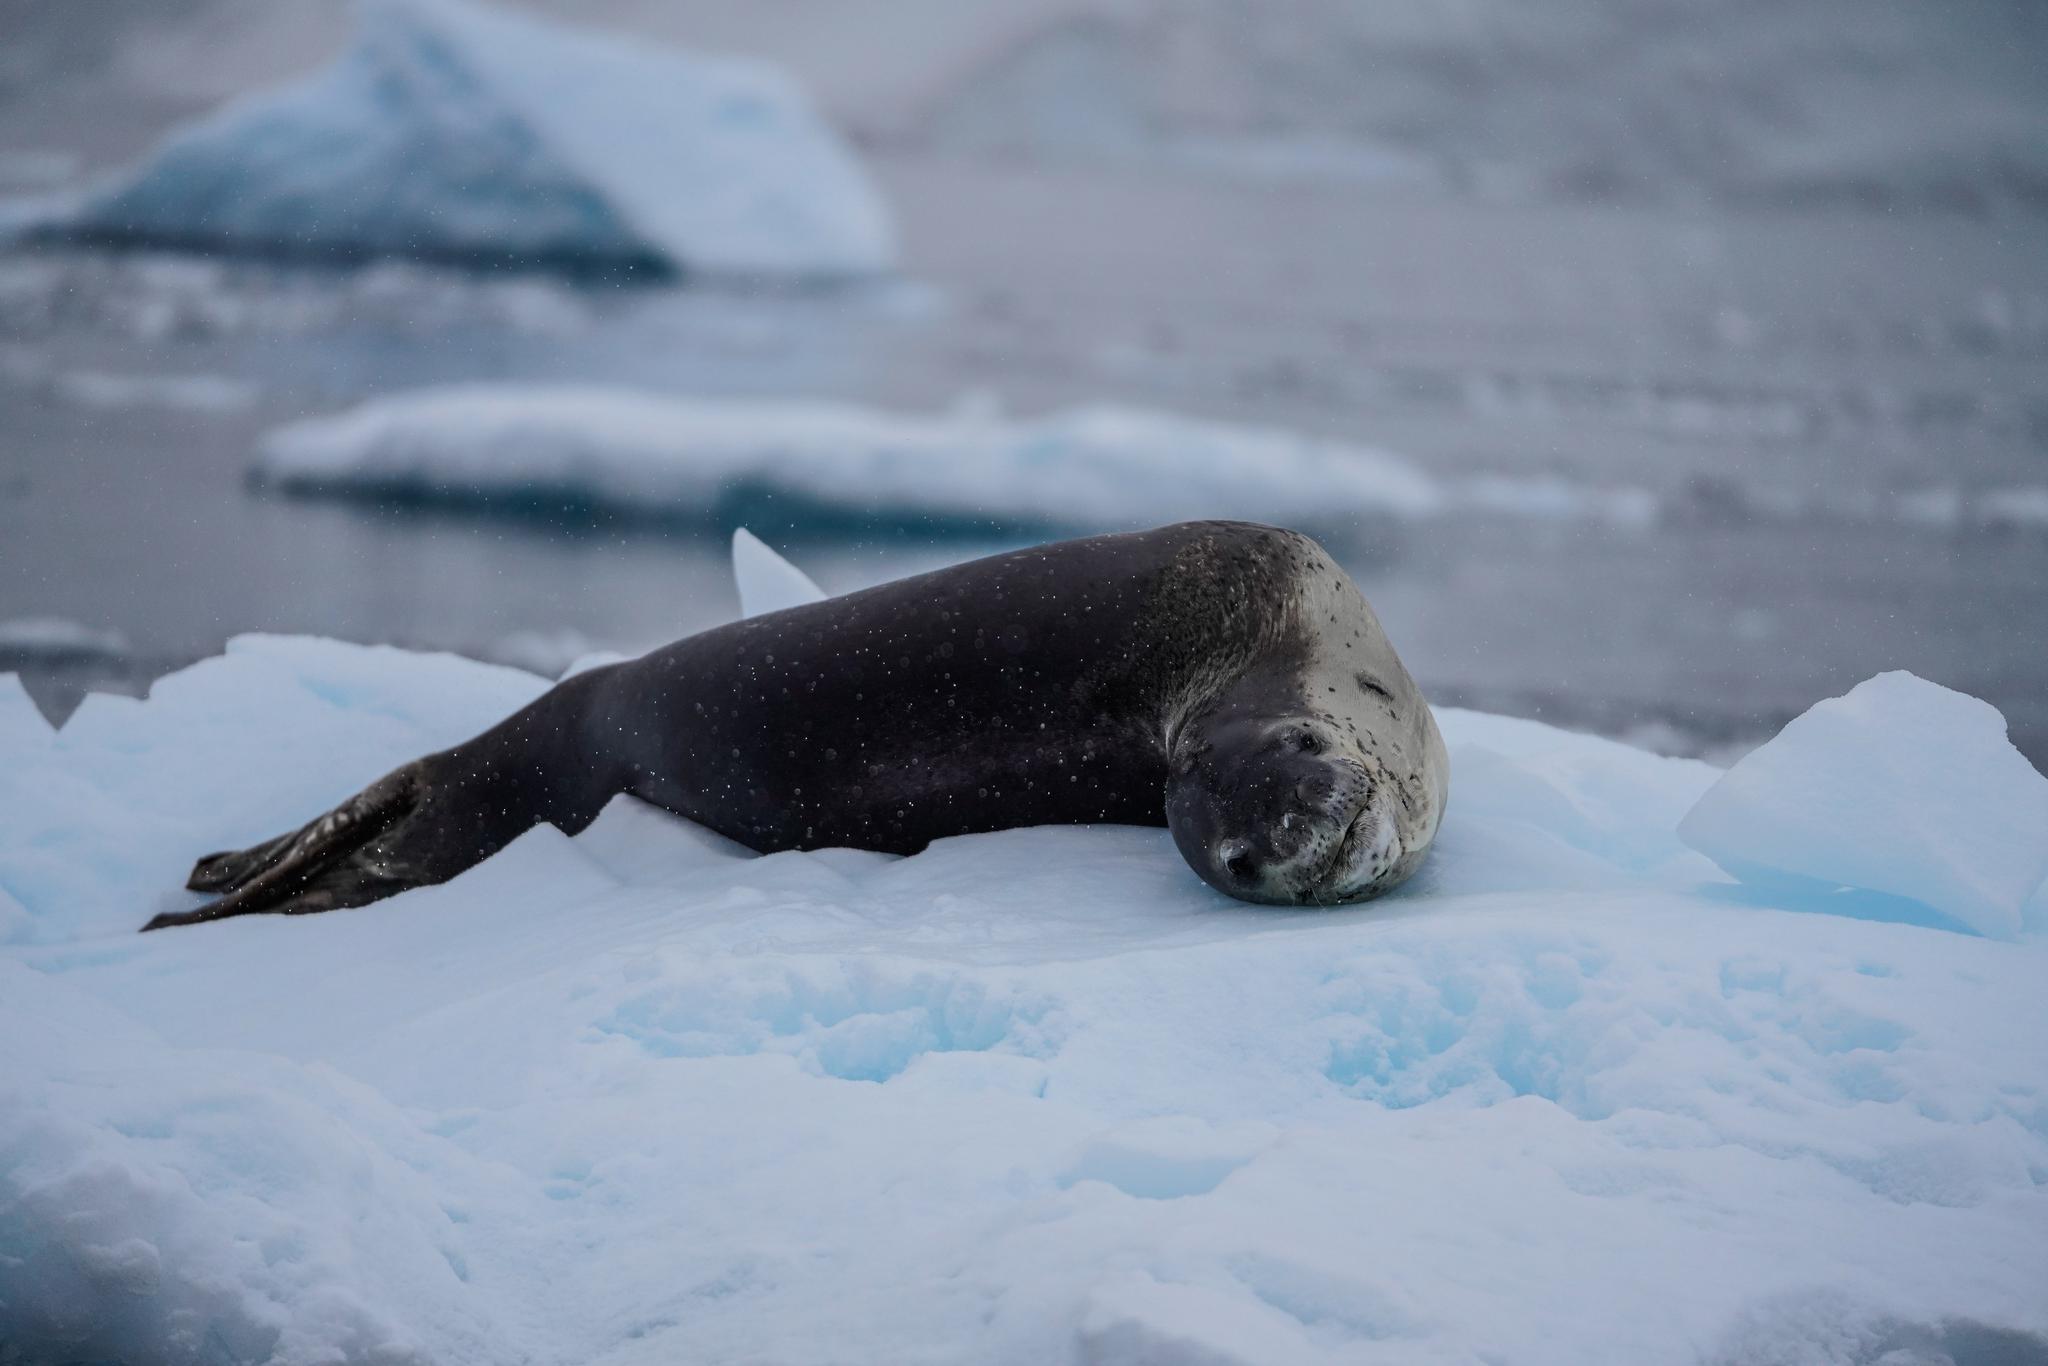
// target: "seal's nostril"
[[1238, 861]]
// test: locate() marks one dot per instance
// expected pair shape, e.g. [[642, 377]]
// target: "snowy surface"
[[455, 130], [1036, 1096], [1901, 787]]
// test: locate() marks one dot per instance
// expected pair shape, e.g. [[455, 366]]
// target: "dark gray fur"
[[1068, 683]]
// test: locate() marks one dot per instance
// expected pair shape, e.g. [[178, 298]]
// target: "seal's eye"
[[1308, 742]]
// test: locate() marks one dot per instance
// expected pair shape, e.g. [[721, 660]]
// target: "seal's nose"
[[1238, 862]]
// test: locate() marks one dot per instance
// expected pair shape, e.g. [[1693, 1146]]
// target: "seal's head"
[[1282, 808]]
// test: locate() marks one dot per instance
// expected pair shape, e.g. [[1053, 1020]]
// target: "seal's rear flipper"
[[298, 872], [225, 871]]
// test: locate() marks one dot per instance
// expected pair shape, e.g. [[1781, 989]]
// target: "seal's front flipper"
[[332, 862]]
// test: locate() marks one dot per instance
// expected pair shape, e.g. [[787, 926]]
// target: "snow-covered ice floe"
[[1037, 1096], [458, 131], [820, 464], [713, 459]]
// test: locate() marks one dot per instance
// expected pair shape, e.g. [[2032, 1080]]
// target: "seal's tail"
[[295, 872]]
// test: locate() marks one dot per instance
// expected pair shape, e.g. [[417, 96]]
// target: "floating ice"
[[55, 639], [1034, 1096], [458, 131], [767, 582], [708, 458], [1901, 787], [806, 461]]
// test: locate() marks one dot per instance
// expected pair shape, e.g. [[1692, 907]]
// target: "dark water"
[[1779, 383]]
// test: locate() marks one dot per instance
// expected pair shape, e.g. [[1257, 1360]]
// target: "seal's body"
[[1222, 678]]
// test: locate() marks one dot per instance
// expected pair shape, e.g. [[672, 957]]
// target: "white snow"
[[688, 457], [767, 582], [458, 130], [1037, 1096], [1902, 787]]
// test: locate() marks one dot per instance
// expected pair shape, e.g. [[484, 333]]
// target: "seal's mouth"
[[1358, 854]]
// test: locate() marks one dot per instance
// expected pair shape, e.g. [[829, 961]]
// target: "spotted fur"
[[1222, 678]]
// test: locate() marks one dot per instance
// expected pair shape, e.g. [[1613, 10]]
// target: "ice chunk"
[[1901, 786], [1582, 810], [767, 582], [678, 457], [453, 130]]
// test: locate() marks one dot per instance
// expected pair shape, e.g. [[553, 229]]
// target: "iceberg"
[[719, 459], [1034, 1096], [456, 131], [1901, 787]]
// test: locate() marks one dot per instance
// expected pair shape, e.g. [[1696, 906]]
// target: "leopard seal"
[[1224, 679]]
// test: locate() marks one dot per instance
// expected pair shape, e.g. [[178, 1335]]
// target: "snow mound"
[[452, 130], [1037, 1096], [711, 459], [767, 582], [1902, 787]]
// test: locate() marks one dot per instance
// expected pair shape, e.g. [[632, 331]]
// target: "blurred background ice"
[[1712, 334]]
